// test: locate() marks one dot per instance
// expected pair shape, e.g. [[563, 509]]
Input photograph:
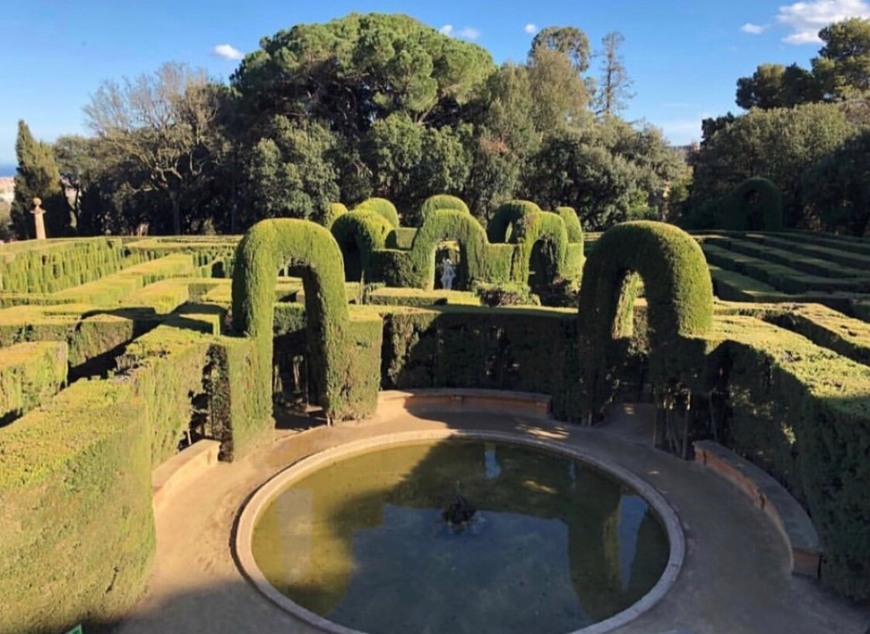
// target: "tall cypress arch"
[[449, 224], [679, 296], [340, 348]]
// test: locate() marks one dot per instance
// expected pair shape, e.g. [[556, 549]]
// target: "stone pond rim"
[[262, 497]]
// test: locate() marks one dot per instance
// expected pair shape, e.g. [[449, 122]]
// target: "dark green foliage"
[[755, 205], [506, 295], [680, 307], [456, 225], [77, 525], [463, 346], [382, 207], [338, 350], [442, 201], [572, 224], [37, 176], [500, 226]]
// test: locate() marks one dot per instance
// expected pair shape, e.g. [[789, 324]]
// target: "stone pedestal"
[[38, 212]]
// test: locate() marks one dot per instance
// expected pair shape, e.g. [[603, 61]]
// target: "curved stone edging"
[[260, 499]]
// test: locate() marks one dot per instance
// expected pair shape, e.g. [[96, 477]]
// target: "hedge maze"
[[114, 352]]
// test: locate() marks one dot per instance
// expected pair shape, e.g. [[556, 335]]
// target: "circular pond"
[[488, 533]]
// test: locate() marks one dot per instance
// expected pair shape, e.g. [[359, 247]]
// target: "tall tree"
[[567, 40], [843, 64], [37, 176], [614, 87], [164, 124]]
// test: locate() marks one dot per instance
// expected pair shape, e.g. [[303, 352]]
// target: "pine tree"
[[38, 177]]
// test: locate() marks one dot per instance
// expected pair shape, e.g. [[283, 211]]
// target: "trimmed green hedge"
[[803, 414], [332, 212], [499, 228], [442, 201], [166, 367], [572, 224], [338, 349], [754, 205], [546, 228], [383, 207], [30, 374], [680, 307], [358, 234], [77, 525], [53, 265]]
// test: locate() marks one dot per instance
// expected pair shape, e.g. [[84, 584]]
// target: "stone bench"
[[771, 497], [526, 404]]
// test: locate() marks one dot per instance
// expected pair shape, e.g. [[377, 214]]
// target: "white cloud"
[[227, 51], [805, 19], [530, 28], [466, 33], [754, 29], [469, 33]]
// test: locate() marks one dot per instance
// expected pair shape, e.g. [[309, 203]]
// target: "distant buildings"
[[7, 189]]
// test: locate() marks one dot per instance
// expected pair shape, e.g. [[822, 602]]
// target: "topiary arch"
[[754, 205], [500, 226], [679, 293], [449, 224], [340, 350]]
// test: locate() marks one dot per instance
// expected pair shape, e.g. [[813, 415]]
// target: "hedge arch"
[[572, 224], [442, 201], [755, 205], [532, 229], [499, 228], [449, 224], [332, 213], [680, 305], [358, 233], [337, 355], [381, 206]]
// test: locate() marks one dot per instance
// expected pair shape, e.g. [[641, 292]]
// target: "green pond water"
[[555, 544]]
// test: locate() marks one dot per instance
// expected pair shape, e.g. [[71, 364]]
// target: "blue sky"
[[683, 55]]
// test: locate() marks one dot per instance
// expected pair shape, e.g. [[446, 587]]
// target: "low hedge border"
[[30, 374]]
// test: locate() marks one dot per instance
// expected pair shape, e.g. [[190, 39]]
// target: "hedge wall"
[[680, 307], [53, 265], [166, 367], [548, 228], [30, 374], [338, 349], [331, 214], [77, 525], [802, 413]]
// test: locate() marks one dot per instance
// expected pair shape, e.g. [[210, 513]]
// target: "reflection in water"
[[557, 544]]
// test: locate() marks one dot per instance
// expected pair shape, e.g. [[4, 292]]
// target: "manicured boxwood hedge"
[[339, 348], [77, 525], [572, 224], [442, 201], [383, 207], [680, 308], [802, 413], [500, 226], [30, 374], [359, 233]]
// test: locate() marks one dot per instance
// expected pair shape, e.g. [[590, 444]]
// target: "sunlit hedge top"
[[505, 216], [675, 275], [383, 207], [572, 223], [442, 201], [331, 214]]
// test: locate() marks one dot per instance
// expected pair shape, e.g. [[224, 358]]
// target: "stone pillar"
[[38, 212]]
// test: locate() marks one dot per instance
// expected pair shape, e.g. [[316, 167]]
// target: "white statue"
[[447, 274]]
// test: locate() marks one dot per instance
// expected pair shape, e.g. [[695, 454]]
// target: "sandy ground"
[[735, 579]]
